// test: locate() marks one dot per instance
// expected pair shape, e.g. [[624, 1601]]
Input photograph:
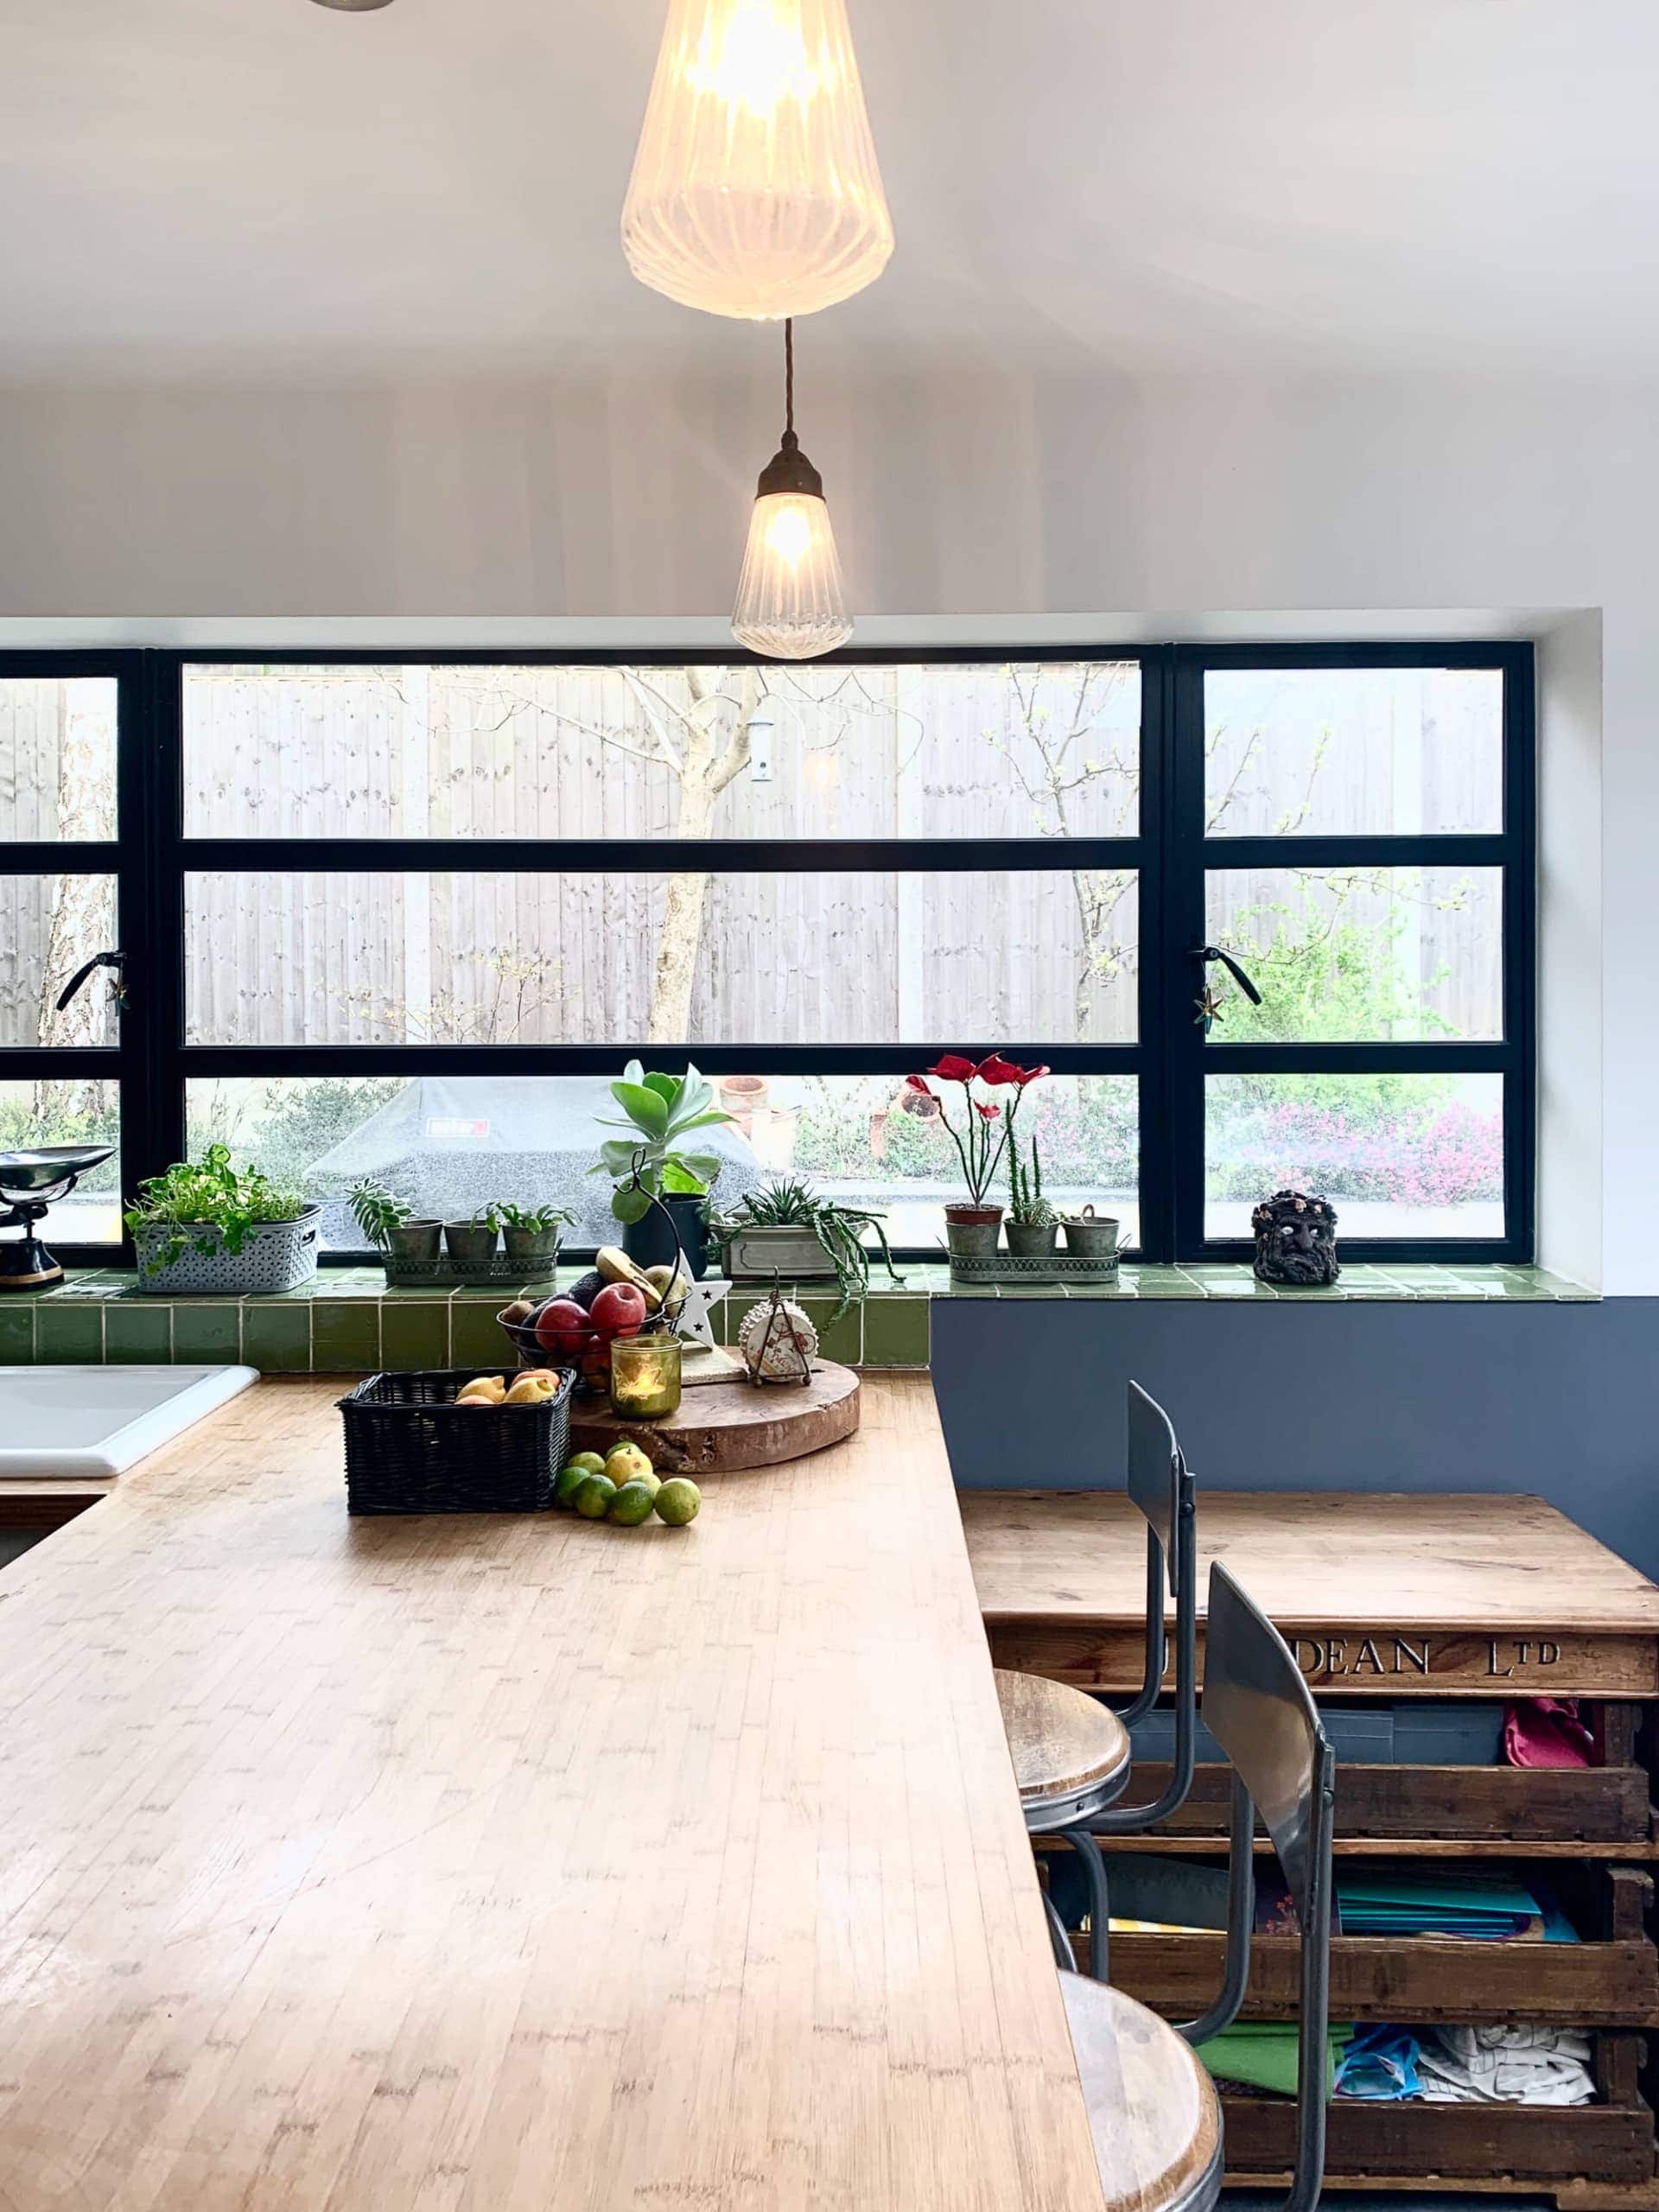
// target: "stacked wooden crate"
[[1388, 1599]]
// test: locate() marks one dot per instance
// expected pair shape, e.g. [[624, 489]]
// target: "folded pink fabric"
[[1546, 1731]]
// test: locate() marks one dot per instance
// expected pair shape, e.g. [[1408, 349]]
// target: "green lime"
[[589, 1462], [591, 1496], [678, 1501], [632, 1505], [570, 1481]]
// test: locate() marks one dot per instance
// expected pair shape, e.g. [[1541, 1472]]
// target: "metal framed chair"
[[1071, 1754], [1153, 2110]]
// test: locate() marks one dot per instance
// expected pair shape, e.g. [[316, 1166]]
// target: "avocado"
[[586, 1288]]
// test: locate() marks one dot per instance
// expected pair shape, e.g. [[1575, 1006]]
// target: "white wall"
[[988, 499]]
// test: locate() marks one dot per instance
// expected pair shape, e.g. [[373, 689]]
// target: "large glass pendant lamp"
[[790, 605], [755, 190]]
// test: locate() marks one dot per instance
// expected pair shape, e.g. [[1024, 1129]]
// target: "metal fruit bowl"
[[592, 1365], [25, 1174]]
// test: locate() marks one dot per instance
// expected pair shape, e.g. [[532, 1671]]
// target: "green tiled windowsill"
[[346, 1320]]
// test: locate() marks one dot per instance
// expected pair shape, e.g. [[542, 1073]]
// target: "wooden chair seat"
[[1064, 1744], [1153, 2109]]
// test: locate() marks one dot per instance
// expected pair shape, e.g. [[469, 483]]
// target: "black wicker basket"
[[409, 1448]]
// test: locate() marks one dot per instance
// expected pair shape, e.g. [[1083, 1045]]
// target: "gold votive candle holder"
[[646, 1375]]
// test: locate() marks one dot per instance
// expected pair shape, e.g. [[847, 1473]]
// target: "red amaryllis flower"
[[1030, 1075], [997, 1070], [952, 1068], [986, 1113], [919, 1083]]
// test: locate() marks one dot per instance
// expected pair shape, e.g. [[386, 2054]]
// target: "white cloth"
[[1523, 2064]]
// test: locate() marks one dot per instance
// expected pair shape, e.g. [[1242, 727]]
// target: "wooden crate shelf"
[[1480, 1807], [1395, 1598]]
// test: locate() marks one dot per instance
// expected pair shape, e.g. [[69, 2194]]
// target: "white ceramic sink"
[[98, 1421]]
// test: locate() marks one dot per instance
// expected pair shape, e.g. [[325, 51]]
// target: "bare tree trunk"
[[704, 774]]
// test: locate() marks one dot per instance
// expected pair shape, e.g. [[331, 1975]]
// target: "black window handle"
[[88, 968], [1209, 952]]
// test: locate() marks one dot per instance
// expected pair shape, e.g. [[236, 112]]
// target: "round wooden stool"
[[1070, 1759], [1153, 2109], [1070, 1755]]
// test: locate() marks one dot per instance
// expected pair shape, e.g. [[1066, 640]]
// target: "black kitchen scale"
[[29, 1183]]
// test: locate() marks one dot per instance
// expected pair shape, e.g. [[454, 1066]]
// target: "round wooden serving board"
[[721, 1426]]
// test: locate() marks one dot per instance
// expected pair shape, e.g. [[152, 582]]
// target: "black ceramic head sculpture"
[[1296, 1240]]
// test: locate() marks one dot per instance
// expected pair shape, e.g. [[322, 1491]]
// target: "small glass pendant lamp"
[[755, 190], [790, 605]]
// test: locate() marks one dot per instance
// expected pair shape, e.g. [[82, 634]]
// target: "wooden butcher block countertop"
[[383, 1865]]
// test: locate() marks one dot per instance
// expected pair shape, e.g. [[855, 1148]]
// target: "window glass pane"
[[450, 1146], [1398, 1155], [63, 1112], [1359, 954], [1326, 751], [1044, 749], [318, 959], [49, 925], [57, 757]]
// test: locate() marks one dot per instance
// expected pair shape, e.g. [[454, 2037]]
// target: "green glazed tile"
[[16, 1334], [345, 1335], [476, 1338], [69, 1330], [206, 1331], [137, 1331], [276, 1335], [414, 1334], [842, 1340], [897, 1331]]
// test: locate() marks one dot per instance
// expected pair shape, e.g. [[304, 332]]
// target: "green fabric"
[[1263, 2053]]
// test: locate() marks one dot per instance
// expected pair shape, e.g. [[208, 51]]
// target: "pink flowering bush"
[[1438, 1154]]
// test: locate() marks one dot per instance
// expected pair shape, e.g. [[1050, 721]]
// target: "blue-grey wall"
[[1556, 1399]]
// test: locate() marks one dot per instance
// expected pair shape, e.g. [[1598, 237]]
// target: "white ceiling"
[[266, 189]]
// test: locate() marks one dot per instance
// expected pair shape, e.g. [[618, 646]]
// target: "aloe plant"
[[661, 1111]]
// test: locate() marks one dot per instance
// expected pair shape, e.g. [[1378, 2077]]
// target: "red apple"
[[618, 1310], [563, 1328]]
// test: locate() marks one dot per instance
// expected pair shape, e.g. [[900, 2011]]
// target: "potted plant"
[[472, 1243], [208, 1226], [530, 1233], [659, 1112], [388, 1223], [991, 1092], [1033, 1225], [786, 1228]]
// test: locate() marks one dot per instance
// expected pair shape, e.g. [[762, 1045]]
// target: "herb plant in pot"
[[659, 1112], [472, 1243], [389, 1224], [530, 1233], [1033, 1225], [206, 1226], [981, 1130]]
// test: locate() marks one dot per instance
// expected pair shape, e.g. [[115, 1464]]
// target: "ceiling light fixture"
[[755, 190], [353, 7], [790, 601]]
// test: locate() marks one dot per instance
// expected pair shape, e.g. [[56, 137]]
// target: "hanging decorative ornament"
[[777, 1341], [790, 605], [755, 190]]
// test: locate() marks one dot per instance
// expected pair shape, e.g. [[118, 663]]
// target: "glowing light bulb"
[[789, 531], [755, 189]]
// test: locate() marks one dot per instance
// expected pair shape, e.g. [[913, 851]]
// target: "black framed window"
[[408, 916]]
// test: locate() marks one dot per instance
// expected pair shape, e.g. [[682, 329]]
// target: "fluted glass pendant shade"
[[790, 601], [755, 190]]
